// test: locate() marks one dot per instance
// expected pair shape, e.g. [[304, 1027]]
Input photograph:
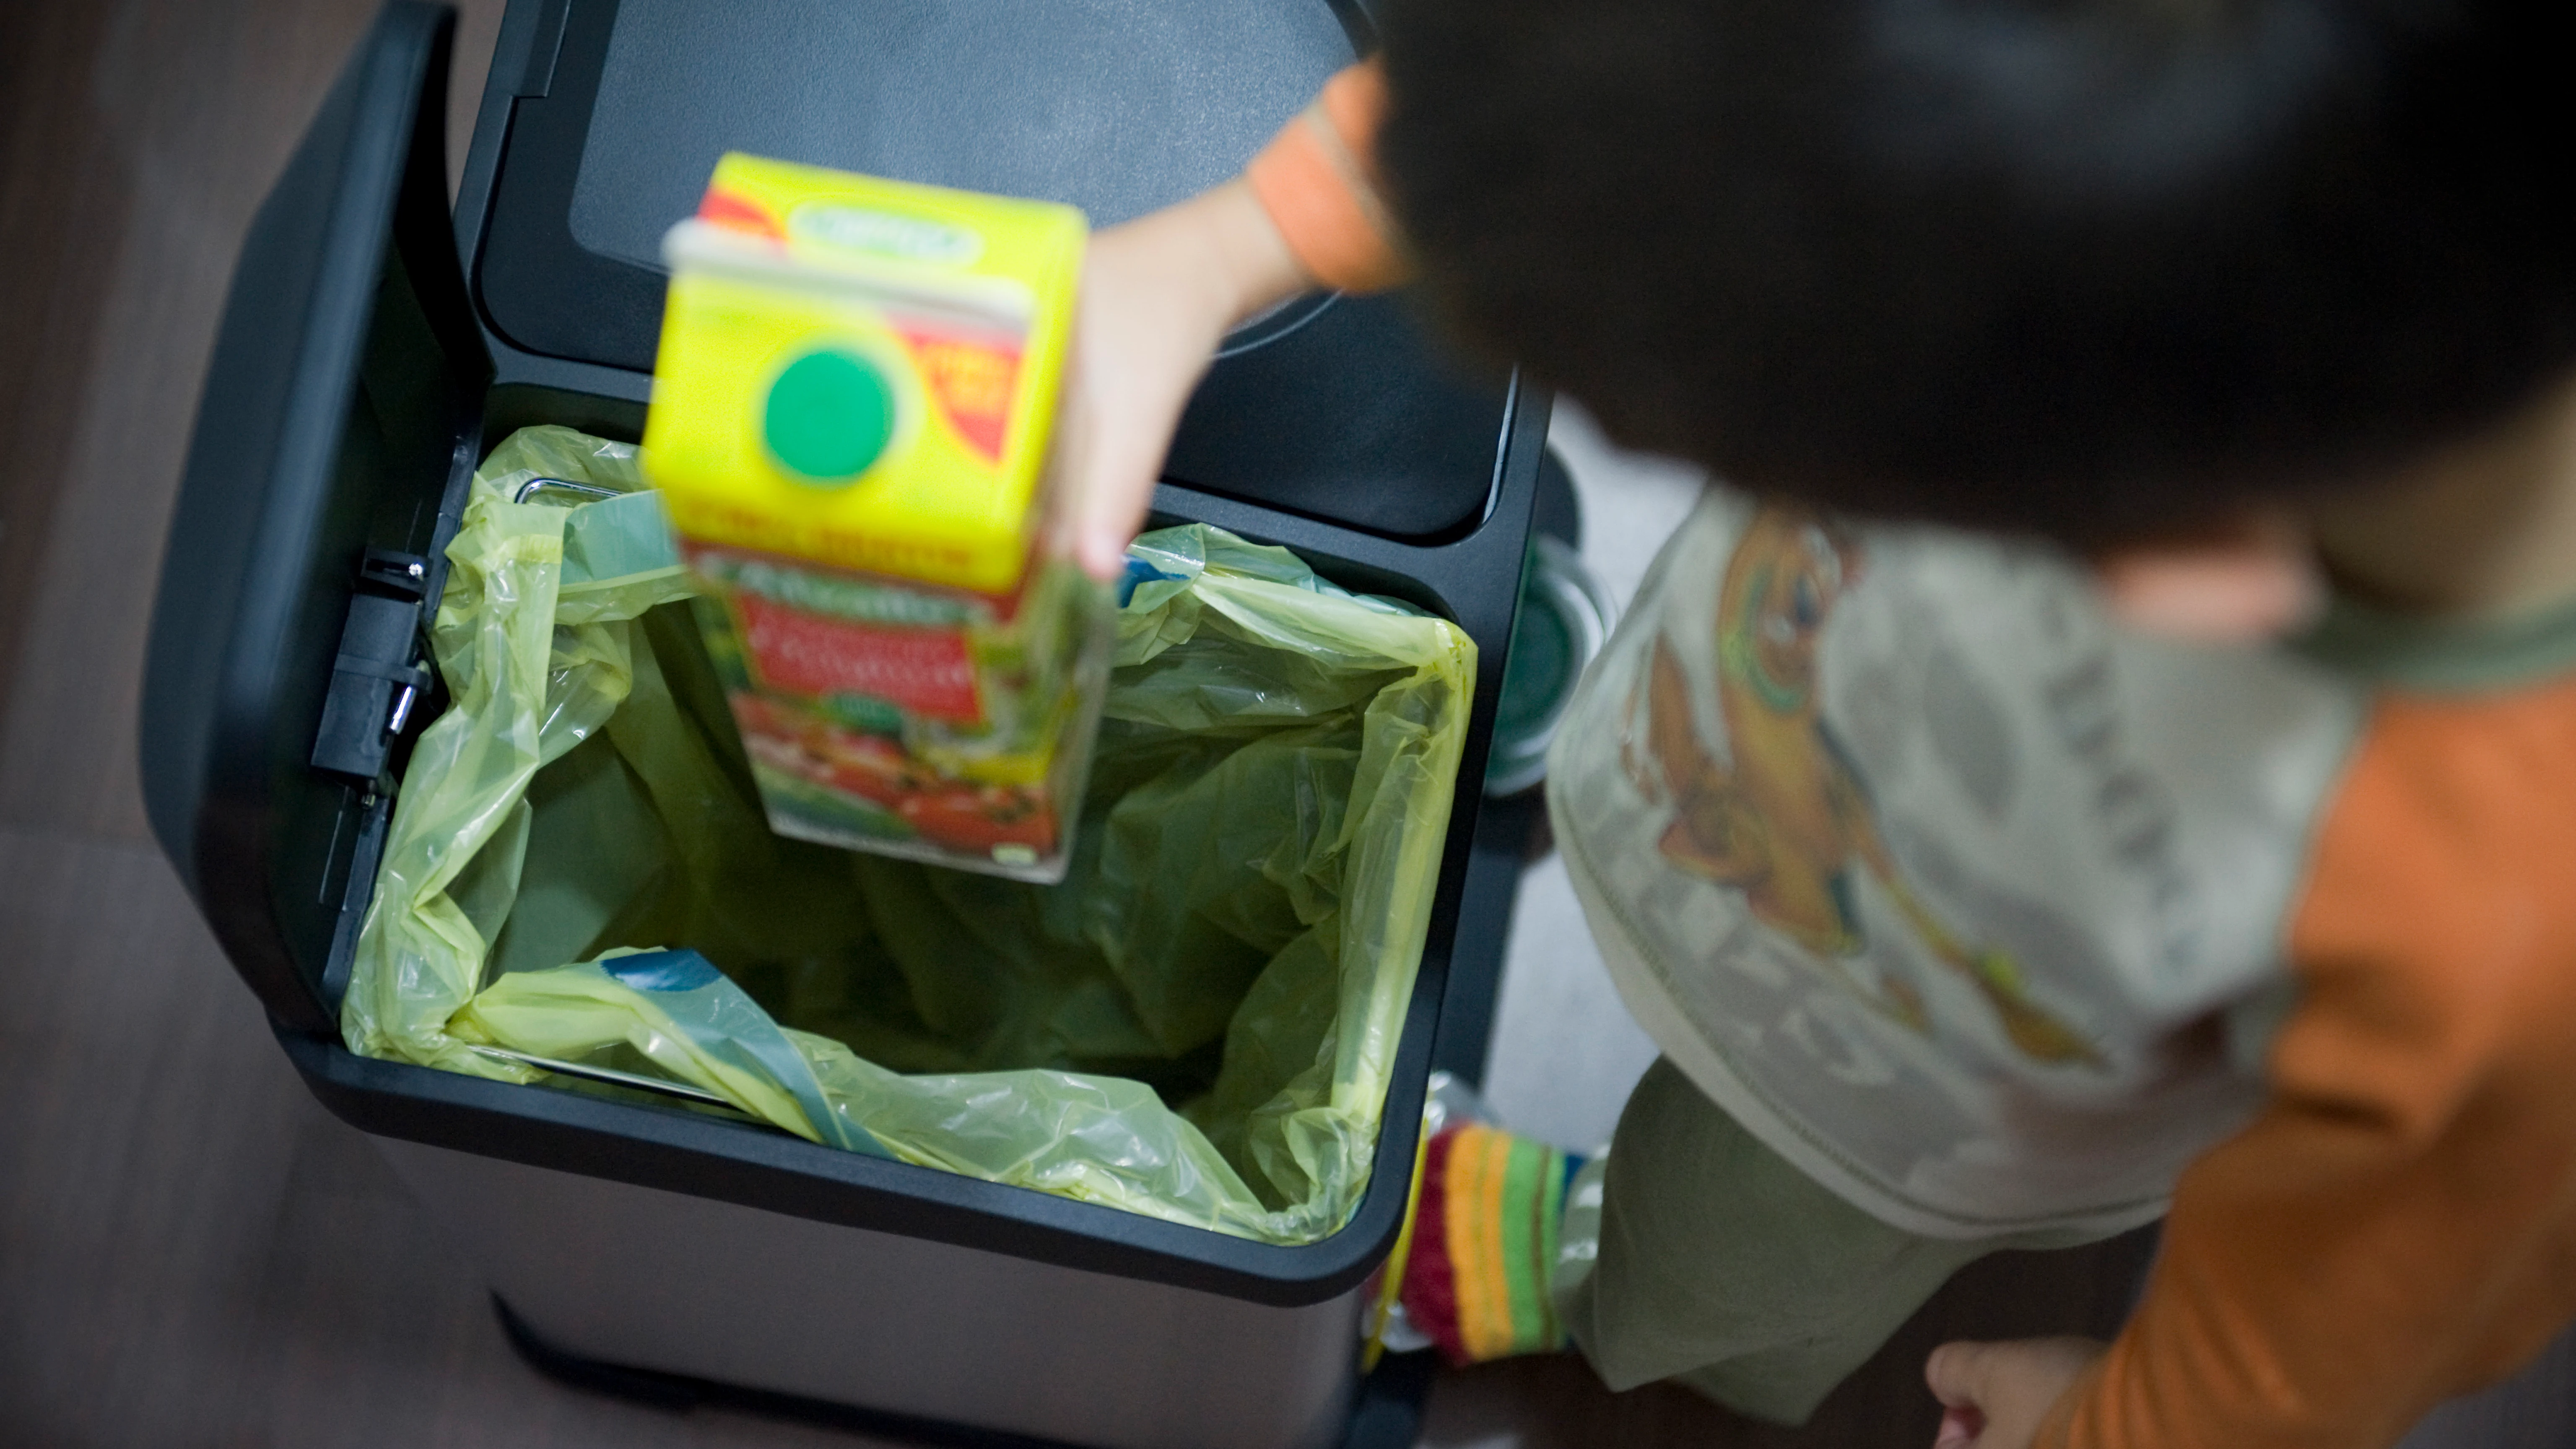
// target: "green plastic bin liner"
[[1198, 1024]]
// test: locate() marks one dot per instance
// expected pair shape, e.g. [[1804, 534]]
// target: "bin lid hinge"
[[378, 674]]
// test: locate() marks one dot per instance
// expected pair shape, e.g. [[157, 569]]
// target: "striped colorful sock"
[[1484, 1243]]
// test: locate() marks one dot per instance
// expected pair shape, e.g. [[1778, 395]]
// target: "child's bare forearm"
[[1159, 293], [1258, 269]]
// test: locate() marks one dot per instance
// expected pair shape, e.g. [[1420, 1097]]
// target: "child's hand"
[[1158, 294], [1999, 1394]]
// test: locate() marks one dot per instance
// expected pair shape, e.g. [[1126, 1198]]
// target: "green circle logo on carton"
[[829, 415]]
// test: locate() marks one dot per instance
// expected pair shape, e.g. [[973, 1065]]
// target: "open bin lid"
[[1334, 407], [339, 424]]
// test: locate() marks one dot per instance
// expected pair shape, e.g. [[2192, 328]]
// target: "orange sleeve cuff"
[[1318, 180]]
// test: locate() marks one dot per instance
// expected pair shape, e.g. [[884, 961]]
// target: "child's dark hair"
[[2087, 268]]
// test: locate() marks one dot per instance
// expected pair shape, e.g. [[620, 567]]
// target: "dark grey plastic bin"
[[376, 344]]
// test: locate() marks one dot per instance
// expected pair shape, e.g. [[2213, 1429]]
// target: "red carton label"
[[926, 671], [974, 379]]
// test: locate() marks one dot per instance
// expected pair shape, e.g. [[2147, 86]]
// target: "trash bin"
[[361, 374]]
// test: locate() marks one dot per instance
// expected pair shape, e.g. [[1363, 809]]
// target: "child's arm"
[[1159, 293], [2399, 1225], [1318, 180]]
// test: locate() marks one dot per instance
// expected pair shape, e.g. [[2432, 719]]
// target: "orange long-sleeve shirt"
[[2398, 1225], [1319, 182]]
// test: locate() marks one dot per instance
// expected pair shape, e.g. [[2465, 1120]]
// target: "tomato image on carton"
[[849, 428]]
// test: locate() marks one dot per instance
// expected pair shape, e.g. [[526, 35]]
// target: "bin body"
[[375, 346], [709, 1290]]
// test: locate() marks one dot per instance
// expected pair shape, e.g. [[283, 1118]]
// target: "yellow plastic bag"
[[1197, 1025]]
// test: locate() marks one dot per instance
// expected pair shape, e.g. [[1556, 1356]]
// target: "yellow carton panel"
[[863, 372]]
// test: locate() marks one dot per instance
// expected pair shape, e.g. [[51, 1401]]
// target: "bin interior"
[[925, 970], [1250, 879]]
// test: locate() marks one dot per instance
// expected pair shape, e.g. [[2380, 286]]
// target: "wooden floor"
[[192, 1252]]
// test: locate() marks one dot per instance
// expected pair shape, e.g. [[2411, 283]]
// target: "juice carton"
[[849, 424]]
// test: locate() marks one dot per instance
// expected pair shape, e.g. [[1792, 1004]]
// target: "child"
[[1978, 896]]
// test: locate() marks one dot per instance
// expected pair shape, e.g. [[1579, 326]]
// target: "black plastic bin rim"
[[674, 1150]]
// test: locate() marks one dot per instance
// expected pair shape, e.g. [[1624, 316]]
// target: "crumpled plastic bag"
[[1198, 1024]]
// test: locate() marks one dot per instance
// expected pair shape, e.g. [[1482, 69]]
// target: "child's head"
[[2096, 269]]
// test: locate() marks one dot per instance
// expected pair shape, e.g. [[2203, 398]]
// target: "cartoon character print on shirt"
[[1786, 822]]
